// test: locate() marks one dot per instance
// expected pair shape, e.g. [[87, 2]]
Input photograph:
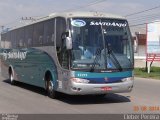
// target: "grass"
[[141, 72]]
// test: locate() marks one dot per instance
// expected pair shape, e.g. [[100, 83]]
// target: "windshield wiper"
[[114, 60], [98, 52]]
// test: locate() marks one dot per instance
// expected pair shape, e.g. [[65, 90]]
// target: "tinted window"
[[60, 28], [49, 32], [38, 34], [20, 37], [28, 36], [3, 39], [13, 38], [8, 40]]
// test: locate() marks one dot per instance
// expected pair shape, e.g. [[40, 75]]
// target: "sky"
[[11, 11]]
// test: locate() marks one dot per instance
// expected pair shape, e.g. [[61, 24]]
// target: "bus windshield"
[[101, 44]]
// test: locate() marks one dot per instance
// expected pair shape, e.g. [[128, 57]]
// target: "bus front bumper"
[[84, 89]]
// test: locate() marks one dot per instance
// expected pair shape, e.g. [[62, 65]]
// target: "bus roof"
[[86, 14], [72, 15]]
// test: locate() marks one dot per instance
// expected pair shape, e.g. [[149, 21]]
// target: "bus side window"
[[28, 36], [52, 38], [49, 32], [13, 38], [11, 35], [20, 38], [8, 40], [48, 38], [29, 42], [60, 28], [3, 39], [5, 42], [38, 34], [40, 40]]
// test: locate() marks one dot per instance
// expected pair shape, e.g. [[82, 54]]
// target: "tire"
[[11, 78], [101, 96], [50, 89]]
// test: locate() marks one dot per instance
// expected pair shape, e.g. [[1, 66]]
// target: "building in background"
[[140, 45]]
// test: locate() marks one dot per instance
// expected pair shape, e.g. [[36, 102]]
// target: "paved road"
[[27, 99]]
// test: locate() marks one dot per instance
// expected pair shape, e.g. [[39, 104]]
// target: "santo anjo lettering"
[[14, 55], [114, 24]]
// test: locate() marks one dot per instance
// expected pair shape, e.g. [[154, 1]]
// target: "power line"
[[143, 11], [149, 18], [91, 4], [141, 20], [145, 16], [135, 25]]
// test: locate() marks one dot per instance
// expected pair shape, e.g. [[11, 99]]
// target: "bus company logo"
[[112, 24], [14, 55], [78, 23]]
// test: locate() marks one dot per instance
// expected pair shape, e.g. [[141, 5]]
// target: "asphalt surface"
[[27, 99]]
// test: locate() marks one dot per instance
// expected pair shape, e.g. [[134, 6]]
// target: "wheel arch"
[[47, 76]]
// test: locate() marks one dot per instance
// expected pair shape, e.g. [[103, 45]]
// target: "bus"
[[76, 53]]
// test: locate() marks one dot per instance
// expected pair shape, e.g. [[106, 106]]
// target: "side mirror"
[[68, 43]]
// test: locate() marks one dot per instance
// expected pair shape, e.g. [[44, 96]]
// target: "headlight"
[[128, 79], [79, 80]]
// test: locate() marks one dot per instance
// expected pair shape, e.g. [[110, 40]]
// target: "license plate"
[[106, 88]]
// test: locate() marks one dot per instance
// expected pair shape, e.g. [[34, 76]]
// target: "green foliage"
[[142, 72]]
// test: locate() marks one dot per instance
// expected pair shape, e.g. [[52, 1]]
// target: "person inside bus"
[[87, 54]]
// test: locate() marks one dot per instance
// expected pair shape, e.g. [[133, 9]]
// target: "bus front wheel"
[[49, 87]]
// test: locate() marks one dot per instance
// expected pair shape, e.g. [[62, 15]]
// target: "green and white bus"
[[76, 53]]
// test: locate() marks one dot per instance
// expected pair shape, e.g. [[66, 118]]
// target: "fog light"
[[127, 79], [79, 80], [74, 88], [79, 89]]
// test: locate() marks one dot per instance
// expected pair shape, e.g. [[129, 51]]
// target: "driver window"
[[62, 53]]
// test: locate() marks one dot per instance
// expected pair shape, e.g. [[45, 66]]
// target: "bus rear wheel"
[[11, 77], [49, 87]]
